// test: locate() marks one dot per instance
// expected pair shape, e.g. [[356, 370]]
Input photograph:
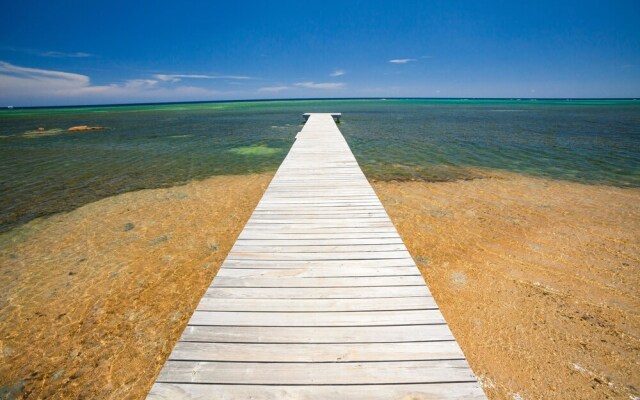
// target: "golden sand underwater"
[[538, 280]]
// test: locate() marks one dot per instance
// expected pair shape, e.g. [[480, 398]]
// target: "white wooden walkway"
[[318, 299]]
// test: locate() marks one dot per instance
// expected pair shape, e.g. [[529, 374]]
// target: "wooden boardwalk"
[[318, 299]]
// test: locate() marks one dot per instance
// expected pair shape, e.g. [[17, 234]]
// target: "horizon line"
[[321, 98]]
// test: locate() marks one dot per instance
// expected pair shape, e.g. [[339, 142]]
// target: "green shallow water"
[[147, 146]]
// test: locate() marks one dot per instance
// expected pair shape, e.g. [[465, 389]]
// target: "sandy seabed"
[[537, 279], [93, 300]]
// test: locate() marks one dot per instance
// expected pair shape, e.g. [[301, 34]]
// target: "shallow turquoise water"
[[593, 141]]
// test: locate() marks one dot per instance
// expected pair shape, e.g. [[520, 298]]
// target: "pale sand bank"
[[537, 279]]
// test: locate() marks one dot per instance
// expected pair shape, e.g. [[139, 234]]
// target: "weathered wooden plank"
[[325, 203], [353, 334], [326, 197], [322, 188], [317, 219], [316, 373], [300, 256], [322, 223], [337, 248], [330, 195], [275, 229], [257, 234], [319, 212], [318, 293], [317, 352], [316, 215], [324, 272], [336, 211], [302, 282], [453, 391], [317, 305], [354, 318], [327, 207], [320, 185], [275, 215], [318, 242], [368, 263], [300, 176]]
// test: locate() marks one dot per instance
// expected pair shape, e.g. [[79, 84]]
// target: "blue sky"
[[96, 52]]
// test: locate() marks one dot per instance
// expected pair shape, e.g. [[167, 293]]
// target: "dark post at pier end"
[[336, 116]]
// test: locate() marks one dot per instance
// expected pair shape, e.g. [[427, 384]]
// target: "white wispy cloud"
[[60, 54], [274, 89], [338, 72], [140, 83], [49, 53], [402, 60], [321, 85], [19, 83], [16, 79], [179, 77]]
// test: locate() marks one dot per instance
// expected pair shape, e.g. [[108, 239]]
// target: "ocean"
[[149, 146]]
